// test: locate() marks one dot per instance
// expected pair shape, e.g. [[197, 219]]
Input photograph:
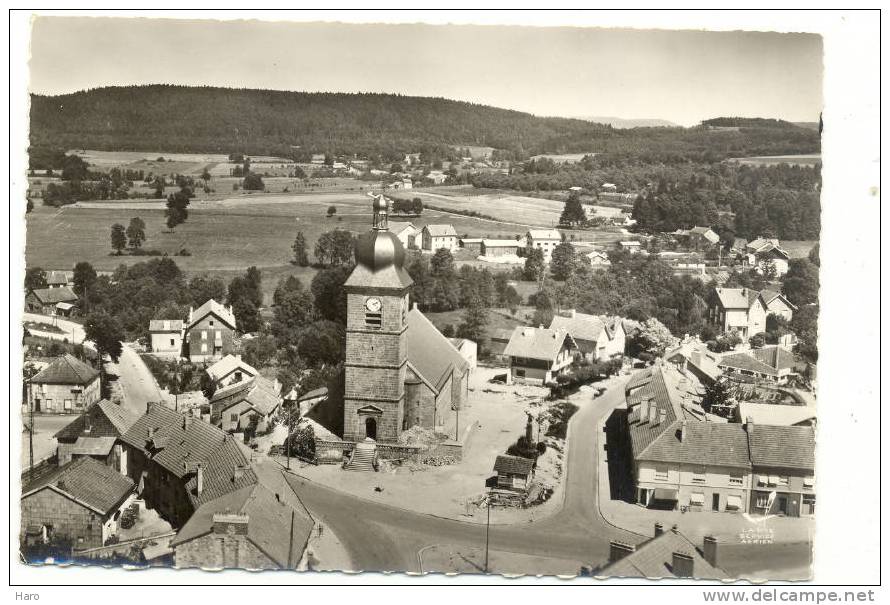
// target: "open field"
[[768, 160], [797, 249]]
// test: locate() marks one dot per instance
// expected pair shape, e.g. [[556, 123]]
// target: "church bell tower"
[[376, 334]]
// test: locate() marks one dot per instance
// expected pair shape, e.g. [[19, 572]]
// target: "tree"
[[118, 238], [245, 295], [562, 261], [801, 284], [332, 210], [84, 278], [35, 278], [136, 232], [292, 311], [301, 257], [717, 399], [651, 338], [534, 265], [106, 333], [205, 176], [202, 289], [573, 212], [159, 184], [335, 247], [475, 322], [321, 343], [253, 182], [805, 323], [177, 208], [327, 292], [813, 256]]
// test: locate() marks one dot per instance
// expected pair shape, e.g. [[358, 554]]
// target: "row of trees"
[[133, 235]]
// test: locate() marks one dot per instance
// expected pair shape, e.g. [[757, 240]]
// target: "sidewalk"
[[727, 527]]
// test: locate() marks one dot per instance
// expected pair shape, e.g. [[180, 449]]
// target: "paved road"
[[73, 331], [380, 537]]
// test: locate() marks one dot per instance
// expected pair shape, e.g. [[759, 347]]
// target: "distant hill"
[[382, 126], [630, 122]]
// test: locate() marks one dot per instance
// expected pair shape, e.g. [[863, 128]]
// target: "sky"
[[680, 76]]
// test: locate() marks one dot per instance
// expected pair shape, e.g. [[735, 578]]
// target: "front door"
[[715, 502], [783, 505], [371, 428]]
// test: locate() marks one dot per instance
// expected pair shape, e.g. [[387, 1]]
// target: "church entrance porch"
[[371, 428]]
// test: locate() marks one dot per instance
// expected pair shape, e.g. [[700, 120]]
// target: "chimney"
[[148, 406], [653, 414], [237, 473], [151, 432], [662, 414], [749, 425], [619, 550], [571, 313], [682, 565], [186, 421], [415, 305], [89, 425], [710, 550], [659, 529], [199, 479], [683, 431], [644, 411]]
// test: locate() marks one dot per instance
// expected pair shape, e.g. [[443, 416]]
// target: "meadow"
[[769, 160]]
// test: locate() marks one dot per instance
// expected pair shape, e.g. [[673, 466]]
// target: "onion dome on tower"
[[379, 255]]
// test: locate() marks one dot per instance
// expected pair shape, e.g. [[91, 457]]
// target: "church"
[[400, 371]]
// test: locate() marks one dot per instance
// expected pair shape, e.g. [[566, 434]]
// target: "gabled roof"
[[93, 446], [736, 298], [53, 296], [278, 523], [654, 559], [165, 325], [544, 234], [782, 446], [87, 481], [229, 364], [431, 355], [500, 243], [258, 392], [117, 421], [775, 414], [752, 362], [514, 465], [711, 443], [537, 343], [445, 230], [761, 243], [314, 393], [179, 445], [707, 233], [397, 226], [768, 296], [776, 357], [66, 369], [57, 278], [224, 313], [581, 326]]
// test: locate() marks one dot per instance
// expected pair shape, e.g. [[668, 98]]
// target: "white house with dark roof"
[[229, 370], [545, 240], [739, 310], [783, 462], [406, 232], [539, 355], [166, 337], [435, 237], [767, 250], [777, 304], [772, 363], [598, 338], [251, 401]]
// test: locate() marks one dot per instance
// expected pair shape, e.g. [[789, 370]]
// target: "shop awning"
[[774, 480], [734, 502], [664, 494]]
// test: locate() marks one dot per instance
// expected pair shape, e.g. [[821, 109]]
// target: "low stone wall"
[[334, 452], [446, 448]]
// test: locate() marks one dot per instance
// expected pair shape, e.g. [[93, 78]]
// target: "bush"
[[184, 252], [560, 414], [525, 449]]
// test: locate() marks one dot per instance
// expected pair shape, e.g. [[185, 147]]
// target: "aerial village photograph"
[[329, 296]]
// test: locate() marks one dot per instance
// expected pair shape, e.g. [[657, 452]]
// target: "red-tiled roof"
[[66, 369], [91, 483]]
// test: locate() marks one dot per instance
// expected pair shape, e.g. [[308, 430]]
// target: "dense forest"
[[377, 126]]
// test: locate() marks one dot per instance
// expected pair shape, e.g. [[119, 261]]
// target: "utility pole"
[[487, 529], [31, 443]]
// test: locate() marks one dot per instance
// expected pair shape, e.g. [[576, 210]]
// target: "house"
[[310, 399], [598, 259], [59, 279], [693, 357], [65, 386], [437, 377], [739, 310], [783, 464], [179, 462], [472, 244], [434, 237], [515, 473], [50, 301], [697, 238], [766, 250], [681, 456], [402, 184], [263, 525], [667, 554], [596, 337], [632, 246], [468, 349], [209, 332], [437, 177], [499, 247], [771, 363], [543, 239], [80, 501], [318, 158], [776, 304], [242, 404], [94, 434], [773, 414], [609, 187], [539, 354], [230, 370], [406, 232], [166, 336]]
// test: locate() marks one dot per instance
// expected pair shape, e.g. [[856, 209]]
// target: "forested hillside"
[[259, 122]]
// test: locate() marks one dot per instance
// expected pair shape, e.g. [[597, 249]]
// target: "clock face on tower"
[[373, 305]]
